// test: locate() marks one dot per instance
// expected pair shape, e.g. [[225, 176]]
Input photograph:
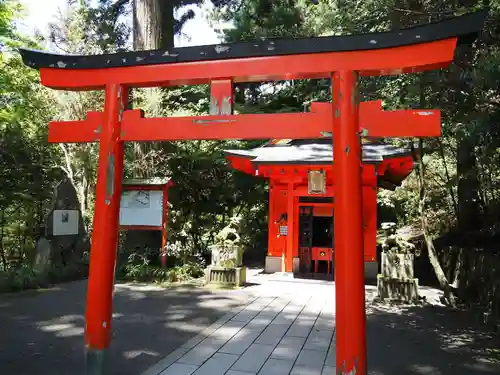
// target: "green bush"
[[25, 278], [139, 267], [148, 273]]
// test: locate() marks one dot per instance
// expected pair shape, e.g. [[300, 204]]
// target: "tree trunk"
[[82, 194], [448, 178], [153, 24], [147, 18], [458, 268], [431, 250], [469, 217]]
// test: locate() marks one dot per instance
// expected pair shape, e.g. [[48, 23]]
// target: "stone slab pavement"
[[288, 330], [276, 325]]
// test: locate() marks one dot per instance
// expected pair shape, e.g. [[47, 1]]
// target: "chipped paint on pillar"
[[111, 161], [363, 132], [339, 99], [226, 107], [110, 178], [353, 371], [122, 105], [214, 106], [355, 93], [221, 98]]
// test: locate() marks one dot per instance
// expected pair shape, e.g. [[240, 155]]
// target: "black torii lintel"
[[465, 28]]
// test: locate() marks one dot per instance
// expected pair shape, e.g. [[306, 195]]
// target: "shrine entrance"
[[342, 59], [316, 245]]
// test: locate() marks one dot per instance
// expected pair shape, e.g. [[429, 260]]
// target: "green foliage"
[[30, 167], [24, 277], [140, 267], [91, 30], [26, 170]]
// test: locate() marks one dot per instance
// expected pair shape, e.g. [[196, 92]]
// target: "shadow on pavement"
[[42, 333], [430, 340]]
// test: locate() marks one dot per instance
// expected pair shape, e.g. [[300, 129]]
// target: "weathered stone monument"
[[43, 254], [227, 257], [64, 228], [397, 281]]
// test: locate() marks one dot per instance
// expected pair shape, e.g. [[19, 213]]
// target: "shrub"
[[139, 267], [24, 277]]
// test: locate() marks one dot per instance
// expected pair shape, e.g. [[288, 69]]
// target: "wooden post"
[[105, 233], [290, 220], [348, 226], [272, 226]]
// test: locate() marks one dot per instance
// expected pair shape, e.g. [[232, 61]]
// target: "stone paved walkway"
[[286, 328], [291, 334]]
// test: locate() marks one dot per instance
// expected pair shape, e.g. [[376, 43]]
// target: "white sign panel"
[[141, 207], [65, 222]]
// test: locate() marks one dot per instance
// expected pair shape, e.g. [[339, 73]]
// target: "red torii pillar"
[[105, 232], [419, 49], [349, 254]]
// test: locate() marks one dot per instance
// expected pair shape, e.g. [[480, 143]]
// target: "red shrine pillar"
[[348, 226], [105, 232], [290, 223]]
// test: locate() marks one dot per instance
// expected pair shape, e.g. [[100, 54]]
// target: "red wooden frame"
[[374, 122], [164, 226]]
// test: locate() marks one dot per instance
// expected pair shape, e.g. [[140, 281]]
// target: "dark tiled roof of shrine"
[[315, 151]]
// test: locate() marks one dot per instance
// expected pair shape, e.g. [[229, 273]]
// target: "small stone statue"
[[395, 243], [227, 249], [228, 236]]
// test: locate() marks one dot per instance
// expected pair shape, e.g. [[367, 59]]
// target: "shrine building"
[[302, 198]]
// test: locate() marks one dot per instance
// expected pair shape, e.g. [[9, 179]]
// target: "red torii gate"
[[342, 59]]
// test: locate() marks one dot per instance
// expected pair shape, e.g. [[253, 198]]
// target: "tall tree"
[[26, 166], [155, 22]]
